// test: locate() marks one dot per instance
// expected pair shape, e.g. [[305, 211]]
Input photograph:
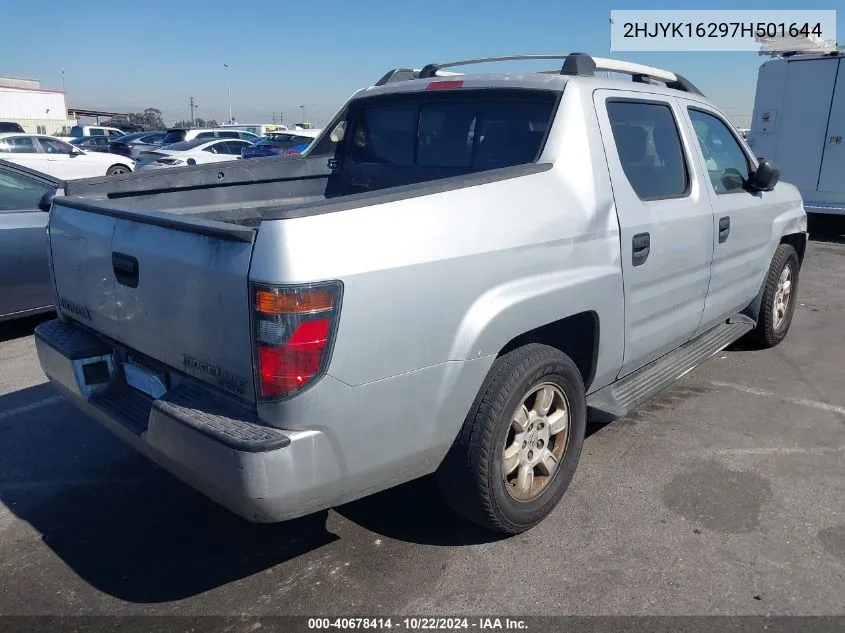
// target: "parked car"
[[443, 282], [132, 145], [177, 135], [278, 143], [124, 126], [60, 159], [91, 143], [24, 272], [79, 131], [11, 126], [195, 152]]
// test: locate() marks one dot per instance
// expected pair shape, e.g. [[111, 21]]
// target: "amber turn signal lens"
[[297, 302]]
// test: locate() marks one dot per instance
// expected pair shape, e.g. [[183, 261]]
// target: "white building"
[[38, 111]]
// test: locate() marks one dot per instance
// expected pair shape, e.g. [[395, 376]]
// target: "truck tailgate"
[[179, 297]]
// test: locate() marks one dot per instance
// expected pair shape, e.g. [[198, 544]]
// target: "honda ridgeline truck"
[[459, 268]]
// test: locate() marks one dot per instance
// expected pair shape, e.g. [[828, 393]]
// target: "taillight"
[[444, 85], [293, 330]]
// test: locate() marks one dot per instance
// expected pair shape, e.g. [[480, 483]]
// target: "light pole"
[[63, 81], [302, 107], [229, 89]]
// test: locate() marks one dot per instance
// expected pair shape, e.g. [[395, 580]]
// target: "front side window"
[[53, 146], [235, 147], [649, 148], [727, 164]]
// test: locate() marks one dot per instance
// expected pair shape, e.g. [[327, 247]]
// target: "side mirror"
[[46, 201], [765, 177], [76, 152]]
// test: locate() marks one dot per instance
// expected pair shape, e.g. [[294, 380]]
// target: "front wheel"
[[115, 170], [520, 443], [779, 295]]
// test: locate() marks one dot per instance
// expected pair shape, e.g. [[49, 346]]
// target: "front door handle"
[[640, 248], [724, 229]]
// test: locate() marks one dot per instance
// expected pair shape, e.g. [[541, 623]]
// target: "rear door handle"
[[724, 229], [125, 269], [640, 248]]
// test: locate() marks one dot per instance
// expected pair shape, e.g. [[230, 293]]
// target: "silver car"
[[24, 274]]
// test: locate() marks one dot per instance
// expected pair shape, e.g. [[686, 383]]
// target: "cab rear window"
[[470, 130]]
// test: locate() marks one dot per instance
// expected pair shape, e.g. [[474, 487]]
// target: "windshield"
[[173, 136]]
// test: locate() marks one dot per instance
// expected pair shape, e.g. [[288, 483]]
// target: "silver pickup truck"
[[456, 273]]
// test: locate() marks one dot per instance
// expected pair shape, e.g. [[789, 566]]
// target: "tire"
[[473, 477], [115, 170], [771, 328]]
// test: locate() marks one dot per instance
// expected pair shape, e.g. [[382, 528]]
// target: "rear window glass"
[[76, 130], [481, 130], [173, 136]]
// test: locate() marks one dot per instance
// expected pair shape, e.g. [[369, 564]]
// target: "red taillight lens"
[[444, 85], [293, 329]]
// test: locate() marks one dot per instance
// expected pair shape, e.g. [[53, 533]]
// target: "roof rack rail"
[[576, 64]]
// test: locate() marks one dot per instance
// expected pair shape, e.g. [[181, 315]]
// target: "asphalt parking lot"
[[726, 495]]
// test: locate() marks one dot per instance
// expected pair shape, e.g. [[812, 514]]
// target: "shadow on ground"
[[19, 328], [131, 530], [827, 228]]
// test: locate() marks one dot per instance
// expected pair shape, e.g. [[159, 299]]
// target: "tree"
[[150, 119], [197, 123]]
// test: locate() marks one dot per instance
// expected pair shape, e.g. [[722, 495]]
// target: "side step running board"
[[623, 396]]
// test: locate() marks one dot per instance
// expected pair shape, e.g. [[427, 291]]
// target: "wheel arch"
[[576, 335]]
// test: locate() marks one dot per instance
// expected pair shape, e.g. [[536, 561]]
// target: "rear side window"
[[649, 148], [206, 135], [21, 145], [460, 130], [97, 131]]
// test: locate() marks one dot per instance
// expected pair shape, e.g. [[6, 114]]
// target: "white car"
[[179, 134], [194, 152], [53, 156]]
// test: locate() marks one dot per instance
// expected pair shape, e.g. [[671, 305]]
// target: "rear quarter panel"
[[436, 285]]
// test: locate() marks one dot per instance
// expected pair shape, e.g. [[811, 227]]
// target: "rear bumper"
[[258, 472]]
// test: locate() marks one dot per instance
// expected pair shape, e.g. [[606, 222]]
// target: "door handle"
[[125, 269], [640, 248], [724, 229]]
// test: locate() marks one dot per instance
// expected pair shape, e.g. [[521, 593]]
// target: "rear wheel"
[[115, 170], [779, 294], [519, 445]]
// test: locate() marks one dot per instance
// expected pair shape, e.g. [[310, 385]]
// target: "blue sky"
[[283, 55]]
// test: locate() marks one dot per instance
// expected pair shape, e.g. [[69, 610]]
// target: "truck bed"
[[231, 199], [237, 192]]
